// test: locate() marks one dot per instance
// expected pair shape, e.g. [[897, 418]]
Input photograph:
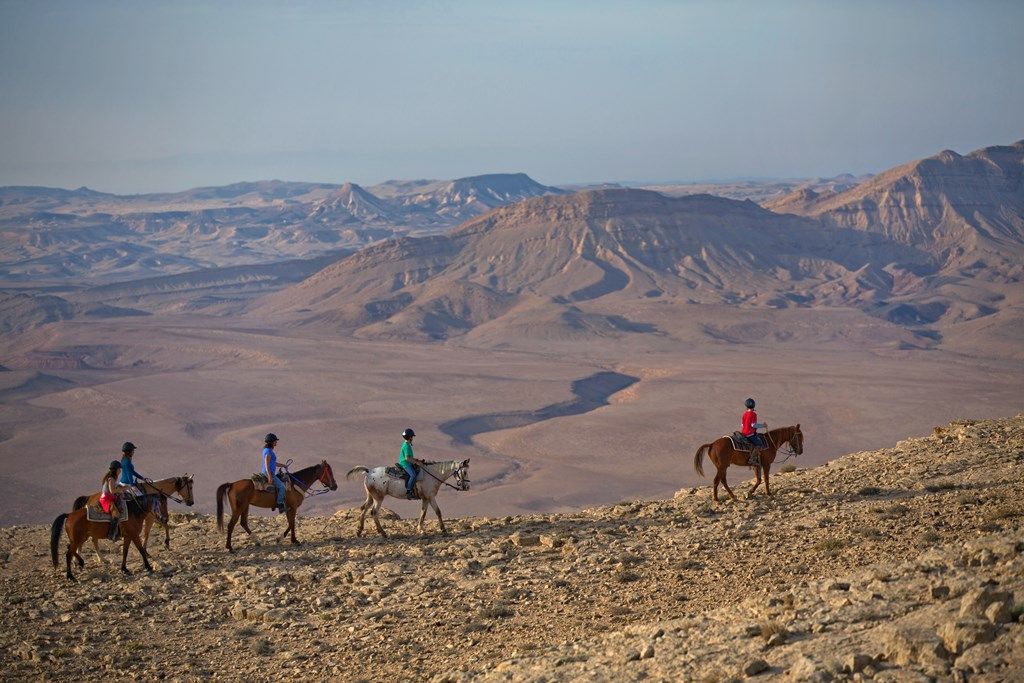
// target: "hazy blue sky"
[[136, 96]]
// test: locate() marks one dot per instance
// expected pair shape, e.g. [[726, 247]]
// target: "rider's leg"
[[279, 485], [411, 483]]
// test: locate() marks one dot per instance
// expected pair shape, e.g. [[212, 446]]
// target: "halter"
[[463, 482]]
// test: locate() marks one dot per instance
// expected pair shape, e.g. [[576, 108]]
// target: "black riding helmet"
[[749, 403], [270, 438], [115, 465], [408, 432], [127, 447]]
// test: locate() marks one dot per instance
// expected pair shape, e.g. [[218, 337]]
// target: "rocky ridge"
[[902, 564]]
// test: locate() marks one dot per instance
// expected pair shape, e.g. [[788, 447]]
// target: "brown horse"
[[168, 488], [723, 454], [79, 529], [242, 493]]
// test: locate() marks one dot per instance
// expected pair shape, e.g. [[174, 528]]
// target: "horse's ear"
[[798, 425]]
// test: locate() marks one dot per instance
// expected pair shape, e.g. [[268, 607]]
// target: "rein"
[[172, 495], [785, 444], [424, 469]]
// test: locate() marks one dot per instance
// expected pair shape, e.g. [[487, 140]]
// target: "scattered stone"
[[754, 667]]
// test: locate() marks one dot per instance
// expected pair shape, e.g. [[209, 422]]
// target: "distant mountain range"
[[56, 234], [934, 243], [935, 247]]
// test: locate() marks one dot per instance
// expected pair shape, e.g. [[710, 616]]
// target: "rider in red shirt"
[[751, 425]]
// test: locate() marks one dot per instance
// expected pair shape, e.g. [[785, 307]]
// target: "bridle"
[[790, 451], [325, 477]]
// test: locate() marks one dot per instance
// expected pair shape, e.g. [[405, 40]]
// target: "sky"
[[140, 96]]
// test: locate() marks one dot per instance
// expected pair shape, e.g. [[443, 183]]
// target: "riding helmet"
[[115, 465], [127, 447], [749, 403], [270, 438], [408, 432]]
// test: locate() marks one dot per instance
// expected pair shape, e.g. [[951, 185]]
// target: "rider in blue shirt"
[[270, 468], [128, 473]]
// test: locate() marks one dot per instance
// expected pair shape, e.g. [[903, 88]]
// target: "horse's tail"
[[222, 492], [80, 502], [55, 529], [698, 459], [358, 469]]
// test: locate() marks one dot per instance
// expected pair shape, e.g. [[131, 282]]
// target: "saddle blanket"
[[396, 472], [93, 513]]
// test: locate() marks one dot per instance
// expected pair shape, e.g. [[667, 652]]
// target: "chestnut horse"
[[79, 529], [722, 453], [242, 493], [169, 487]]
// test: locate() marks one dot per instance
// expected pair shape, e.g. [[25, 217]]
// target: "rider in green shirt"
[[408, 462]]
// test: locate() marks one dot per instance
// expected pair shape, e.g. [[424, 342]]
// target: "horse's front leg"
[[291, 524], [124, 553], [96, 547], [767, 488], [756, 483], [440, 519], [147, 527], [423, 517]]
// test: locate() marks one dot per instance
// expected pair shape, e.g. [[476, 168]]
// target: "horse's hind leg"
[[767, 489], [376, 515], [243, 521], [67, 560], [440, 519], [124, 553], [367, 504], [726, 483], [423, 516]]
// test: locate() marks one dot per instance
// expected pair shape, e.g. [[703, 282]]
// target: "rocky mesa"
[[902, 564]]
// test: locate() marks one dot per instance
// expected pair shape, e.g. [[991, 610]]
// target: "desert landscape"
[[551, 339], [567, 244]]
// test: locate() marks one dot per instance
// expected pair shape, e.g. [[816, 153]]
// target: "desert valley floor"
[[197, 395]]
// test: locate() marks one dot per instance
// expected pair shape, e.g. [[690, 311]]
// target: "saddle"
[[261, 482]]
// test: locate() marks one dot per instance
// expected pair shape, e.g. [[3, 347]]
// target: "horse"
[[79, 528], [379, 484], [167, 488], [242, 493], [723, 454]]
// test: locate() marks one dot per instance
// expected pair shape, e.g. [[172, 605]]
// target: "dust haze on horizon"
[[166, 96]]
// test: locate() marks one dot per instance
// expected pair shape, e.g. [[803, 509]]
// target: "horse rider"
[[751, 425], [270, 468], [111, 500], [128, 473], [410, 463]]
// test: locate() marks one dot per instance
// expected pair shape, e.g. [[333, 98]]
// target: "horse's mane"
[[443, 467], [305, 470]]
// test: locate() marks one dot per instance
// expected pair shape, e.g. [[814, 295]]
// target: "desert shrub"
[[831, 545], [262, 647], [1017, 610], [626, 576], [939, 486], [770, 628], [868, 532], [1000, 513], [496, 612], [869, 491], [474, 627], [620, 610], [788, 467], [929, 536], [246, 632]]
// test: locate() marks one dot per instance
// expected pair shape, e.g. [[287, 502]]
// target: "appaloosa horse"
[[168, 488], [242, 493], [379, 484], [723, 453]]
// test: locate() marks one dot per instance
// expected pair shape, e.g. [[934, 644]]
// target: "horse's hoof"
[[71, 578], [126, 571], [149, 569]]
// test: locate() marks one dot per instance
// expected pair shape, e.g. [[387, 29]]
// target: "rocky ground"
[[896, 565]]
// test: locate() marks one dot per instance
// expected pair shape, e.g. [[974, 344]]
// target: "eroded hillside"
[[898, 564]]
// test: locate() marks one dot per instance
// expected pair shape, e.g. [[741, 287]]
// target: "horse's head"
[[796, 442], [327, 476], [183, 487], [462, 475]]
